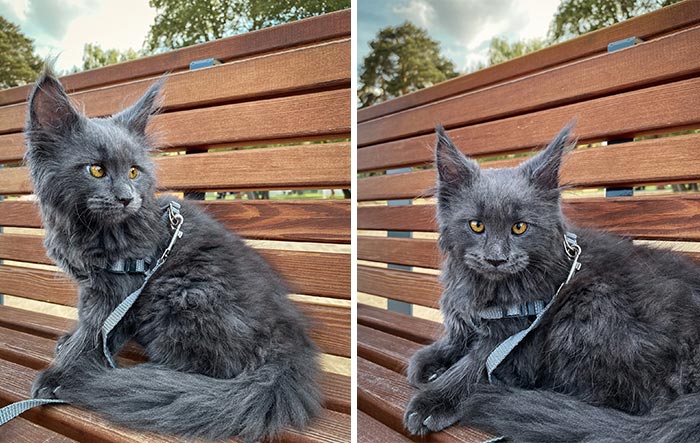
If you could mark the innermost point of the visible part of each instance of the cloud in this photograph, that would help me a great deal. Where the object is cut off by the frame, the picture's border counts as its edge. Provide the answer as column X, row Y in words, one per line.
column 51, row 17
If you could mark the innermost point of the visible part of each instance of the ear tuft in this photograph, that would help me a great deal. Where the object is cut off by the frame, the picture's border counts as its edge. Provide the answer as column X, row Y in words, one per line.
column 50, row 109
column 453, row 167
column 136, row 117
column 543, row 169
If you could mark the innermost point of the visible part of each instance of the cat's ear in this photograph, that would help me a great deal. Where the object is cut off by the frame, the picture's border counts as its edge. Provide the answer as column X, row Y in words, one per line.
column 543, row 168
column 136, row 117
column 50, row 109
column 454, row 168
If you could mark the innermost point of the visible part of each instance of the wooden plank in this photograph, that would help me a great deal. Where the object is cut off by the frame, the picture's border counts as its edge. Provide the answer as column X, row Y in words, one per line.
column 330, row 326
column 674, row 160
column 86, row 427
column 659, row 109
column 315, row 166
column 44, row 326
column 385, row 349
column 655, row 62
column 645, row 27
column 406, row 286
column 326, row 65
column 383, row 394
column 326, row 221
column 303, row 32
column 399, row 251
column 405, row 326
column 322, row 273
column 20, row 430
column 655, row 217
column 370, row 430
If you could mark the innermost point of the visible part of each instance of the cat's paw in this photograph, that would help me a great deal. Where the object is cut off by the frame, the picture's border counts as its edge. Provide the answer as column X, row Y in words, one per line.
column 429, row 412
column 424, row 368
column 46, row 384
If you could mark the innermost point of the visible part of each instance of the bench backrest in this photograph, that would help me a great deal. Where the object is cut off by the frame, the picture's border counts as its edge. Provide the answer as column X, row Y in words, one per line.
column 283, row 94
column 639, row 96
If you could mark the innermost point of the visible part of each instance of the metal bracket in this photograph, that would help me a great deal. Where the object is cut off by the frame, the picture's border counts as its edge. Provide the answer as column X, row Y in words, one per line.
column 612, row 47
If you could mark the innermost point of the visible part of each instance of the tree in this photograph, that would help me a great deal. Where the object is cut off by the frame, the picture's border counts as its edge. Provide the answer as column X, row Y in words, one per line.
column 95, row 57
column 500, row 50
column 403, row 59
column 18, row 63
column 182, row 23
column 578, row 17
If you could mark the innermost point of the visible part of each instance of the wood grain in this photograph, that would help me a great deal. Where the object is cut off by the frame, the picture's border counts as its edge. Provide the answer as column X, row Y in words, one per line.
column 405, row 326
column 370, row 430
column 315, row 166
column 663, row 217
column 20, row 430
column 385, row 349
column 326, row 221
column 674, row 160
column 398, row 251
column 668, row 58
column 645, row 27
column 406, row 286
column 659, row 109
column 383, row 394
column 303, row 32
column 326, row 65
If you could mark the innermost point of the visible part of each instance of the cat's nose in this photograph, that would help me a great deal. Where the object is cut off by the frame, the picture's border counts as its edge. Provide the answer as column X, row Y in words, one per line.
column 125, row 201
column 496, row 262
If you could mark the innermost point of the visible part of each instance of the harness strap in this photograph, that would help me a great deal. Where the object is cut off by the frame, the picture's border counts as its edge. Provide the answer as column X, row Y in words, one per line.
column 518, row 310
column 130, row 266
column 13, row 410
column 504, row 349
column 173, row 212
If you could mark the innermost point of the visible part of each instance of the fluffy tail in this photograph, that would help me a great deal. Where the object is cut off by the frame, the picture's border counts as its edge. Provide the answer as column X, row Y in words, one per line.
column 542, row 417
column 252, row 406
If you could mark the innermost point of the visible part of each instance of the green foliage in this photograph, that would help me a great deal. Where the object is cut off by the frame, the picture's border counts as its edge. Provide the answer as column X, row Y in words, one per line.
column 182, row 23
column 500, row 50
column 95, row 57
column 403, row 59
column 18, row 63
column 578, row 17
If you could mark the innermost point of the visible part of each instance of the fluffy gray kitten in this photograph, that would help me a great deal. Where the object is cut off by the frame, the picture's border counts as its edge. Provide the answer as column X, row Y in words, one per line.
column 228, row 352
column 615, row 359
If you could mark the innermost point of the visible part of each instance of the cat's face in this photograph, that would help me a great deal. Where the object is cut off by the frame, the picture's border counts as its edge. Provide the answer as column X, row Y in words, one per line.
column 96, row 169
column 500, row 222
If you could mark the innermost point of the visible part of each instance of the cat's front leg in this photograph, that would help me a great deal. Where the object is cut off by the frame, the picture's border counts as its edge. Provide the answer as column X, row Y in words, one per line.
column 437, row 406
column 430, row 362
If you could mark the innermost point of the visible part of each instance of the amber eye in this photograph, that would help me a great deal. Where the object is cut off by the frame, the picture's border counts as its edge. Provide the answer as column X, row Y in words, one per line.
column 477, row 226
column 97, row 171
column 519, row 228
column 133, row 172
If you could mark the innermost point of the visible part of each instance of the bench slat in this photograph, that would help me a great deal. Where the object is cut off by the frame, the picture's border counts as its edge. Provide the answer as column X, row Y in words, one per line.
column 398, row 251
column 401, row 325
column 303, row 32
column 670, row 57
column 326, row 221
column 372, row 431
column 20, row 430
column 320, row 66
column 661, row 217
column 658, row 109
column 406, row 286
column 645, row 27
column 385, row 349
column 674, row 161
column 383, row 394
column 322, row 274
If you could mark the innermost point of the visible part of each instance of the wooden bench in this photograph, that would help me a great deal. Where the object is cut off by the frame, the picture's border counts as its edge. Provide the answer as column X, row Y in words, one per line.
column 284, row 91
column 639, row 95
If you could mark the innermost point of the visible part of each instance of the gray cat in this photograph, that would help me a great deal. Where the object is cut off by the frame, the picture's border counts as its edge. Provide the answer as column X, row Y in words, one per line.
column 616, row 358
column 229, row 354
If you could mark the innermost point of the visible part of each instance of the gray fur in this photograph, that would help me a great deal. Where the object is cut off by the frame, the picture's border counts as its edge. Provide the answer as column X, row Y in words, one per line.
column 229, row 353
column 615, row 359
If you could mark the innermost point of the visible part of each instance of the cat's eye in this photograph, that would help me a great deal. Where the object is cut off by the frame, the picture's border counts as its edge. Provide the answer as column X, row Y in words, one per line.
column 97, row 171
column 519, row 228
column 477, row 226
column 133, row 172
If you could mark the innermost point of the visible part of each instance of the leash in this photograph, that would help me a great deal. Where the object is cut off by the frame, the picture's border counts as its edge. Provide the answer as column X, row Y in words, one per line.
column 573, row 250
column 12, row 410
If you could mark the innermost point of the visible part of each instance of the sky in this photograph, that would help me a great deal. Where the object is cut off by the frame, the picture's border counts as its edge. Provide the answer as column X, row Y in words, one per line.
column 464, row 28
column 62, row 27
